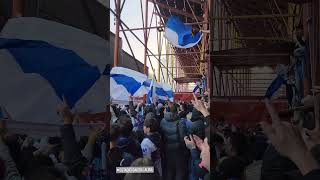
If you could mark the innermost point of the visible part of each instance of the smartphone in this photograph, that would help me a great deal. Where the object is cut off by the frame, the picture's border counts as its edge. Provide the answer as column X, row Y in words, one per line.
column 309, row 121
column 2, row 114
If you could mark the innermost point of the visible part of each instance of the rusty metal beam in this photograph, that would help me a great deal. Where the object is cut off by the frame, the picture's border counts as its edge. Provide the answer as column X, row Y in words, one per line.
column 180, row 53
column 264, row 16
column 159, row 27
column 250, row 55
column 248, row 61
column 172, row 9
column 128, row 43
column 249, row 73
column 17, row 8
column 137, row 29
column 197, row 2
column 126, row 26
column 244, row 98
column 116, row 41
column 145, row 40
column 122, row 5
column 183, row 67
column 257, row 38
column 193, row 73
column 194, row 15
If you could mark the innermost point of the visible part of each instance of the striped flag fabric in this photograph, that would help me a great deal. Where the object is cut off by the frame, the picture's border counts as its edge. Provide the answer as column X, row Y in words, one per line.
column 180, row 35
column 125, row 82
column 47, row 61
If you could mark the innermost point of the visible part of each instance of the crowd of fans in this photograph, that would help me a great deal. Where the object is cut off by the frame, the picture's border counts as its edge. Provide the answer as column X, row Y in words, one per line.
column 173, row 137
column 271, row 151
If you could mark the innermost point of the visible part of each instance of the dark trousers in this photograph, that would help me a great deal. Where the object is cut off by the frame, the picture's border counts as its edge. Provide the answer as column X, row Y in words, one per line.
column 176, row 166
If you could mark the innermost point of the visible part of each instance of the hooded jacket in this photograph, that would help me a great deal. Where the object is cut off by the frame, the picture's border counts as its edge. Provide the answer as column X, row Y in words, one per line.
column 131, row 146
column 173, row 131
column 151, row 148
column 198, row 124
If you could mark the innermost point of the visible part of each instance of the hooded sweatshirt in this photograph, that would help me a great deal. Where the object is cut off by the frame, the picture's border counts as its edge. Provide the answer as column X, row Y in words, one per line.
column 151, row 149
column 173, row 131
column 130, row 145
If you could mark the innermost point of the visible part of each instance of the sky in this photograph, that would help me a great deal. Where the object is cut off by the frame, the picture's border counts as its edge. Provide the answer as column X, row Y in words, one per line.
column 131, row 16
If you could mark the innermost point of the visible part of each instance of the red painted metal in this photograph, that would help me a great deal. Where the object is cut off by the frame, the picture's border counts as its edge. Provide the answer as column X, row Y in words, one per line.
column 183, row 96
column 175, row 10
column 245, row 113
column 116, row 39
column 146, row 39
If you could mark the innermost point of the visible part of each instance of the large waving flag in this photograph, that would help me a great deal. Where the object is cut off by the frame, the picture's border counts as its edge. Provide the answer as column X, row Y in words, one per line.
column 151, row 96
column 161, row 91
column 197, row 87
column 165, row 91
column 273, row 90
column 68, row 74
column 48, row 60
column 125, row 82
column 180, row 35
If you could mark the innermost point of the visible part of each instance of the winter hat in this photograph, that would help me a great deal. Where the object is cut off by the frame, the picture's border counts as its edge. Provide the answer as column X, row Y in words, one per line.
column 150, row 115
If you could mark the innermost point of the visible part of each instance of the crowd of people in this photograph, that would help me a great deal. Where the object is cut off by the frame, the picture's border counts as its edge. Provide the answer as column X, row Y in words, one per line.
column 176, row 138
column 275, row 150
column 171, row 137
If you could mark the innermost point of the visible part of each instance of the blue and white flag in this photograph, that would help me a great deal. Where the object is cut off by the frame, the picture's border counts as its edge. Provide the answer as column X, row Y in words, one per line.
column 68, row 74
column 197, row 87
column 47, row 61
column 152, row 96
column 125, row 82
column 159, row 90
column 180, row 35
column 274, row 89
column 164, row 91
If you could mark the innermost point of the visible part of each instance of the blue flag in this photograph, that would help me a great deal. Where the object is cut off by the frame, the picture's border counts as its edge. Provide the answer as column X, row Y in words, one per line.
column 68, row 74
column 180, row 35
column 274, row 87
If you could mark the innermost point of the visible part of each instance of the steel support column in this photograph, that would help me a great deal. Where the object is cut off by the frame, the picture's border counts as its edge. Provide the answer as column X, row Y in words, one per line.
column 116, row 39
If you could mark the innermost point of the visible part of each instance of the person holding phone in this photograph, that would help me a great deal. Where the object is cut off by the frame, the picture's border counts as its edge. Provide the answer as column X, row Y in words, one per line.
column 287, row 140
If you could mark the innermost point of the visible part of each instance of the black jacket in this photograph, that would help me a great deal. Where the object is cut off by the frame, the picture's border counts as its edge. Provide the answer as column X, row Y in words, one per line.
column 313, row 175
column 131, row 146
column 275, row 166
column 72, row 153
column 173, row 131
column 198, row 128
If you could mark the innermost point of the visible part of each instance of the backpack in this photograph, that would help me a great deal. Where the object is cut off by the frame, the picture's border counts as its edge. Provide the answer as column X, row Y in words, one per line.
column 127, row 159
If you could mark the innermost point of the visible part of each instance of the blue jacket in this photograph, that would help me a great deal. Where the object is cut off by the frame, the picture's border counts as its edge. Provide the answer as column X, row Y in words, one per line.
column 196, row 172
